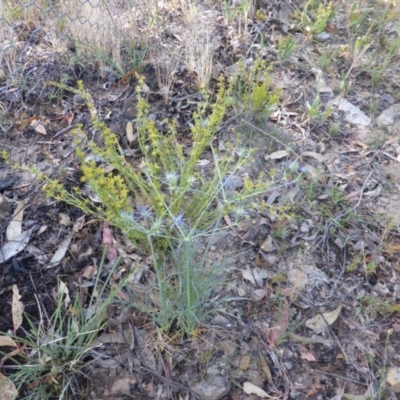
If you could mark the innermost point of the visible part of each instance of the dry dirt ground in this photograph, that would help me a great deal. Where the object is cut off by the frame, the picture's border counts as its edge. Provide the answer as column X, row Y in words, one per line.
column 312, row 310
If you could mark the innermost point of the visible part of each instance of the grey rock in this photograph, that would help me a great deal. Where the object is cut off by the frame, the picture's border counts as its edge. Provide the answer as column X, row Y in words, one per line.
column 78, row 100
column 324, row 36
column 213, row 388
column 390, row 116
column 393, row 171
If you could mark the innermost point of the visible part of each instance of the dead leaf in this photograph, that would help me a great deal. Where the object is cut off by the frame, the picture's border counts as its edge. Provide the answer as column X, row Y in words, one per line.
column 112, row 252
column 248, row 275
column 145, row 88
column 78, row 224
column 14, row 228
column 266, row 370
column 60, row 253
column 69, row 117
column 129, row 132
column 63, row 290
column 244, row 362
column 306, row 355
column 64, row 219
column 250, row 388
column 6, row 341
column 318, row 324
column 17, row 308
column 38, row 126
column 203, row 163
column 278, row 154
column 42, row 229
column 89, row 271
column 13, row 247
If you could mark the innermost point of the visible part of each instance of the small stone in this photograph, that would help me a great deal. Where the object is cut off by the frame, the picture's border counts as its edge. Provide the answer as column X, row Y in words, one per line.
column 78, row 100
column 213, row 388
column 393, row 379
column 323, row 37
column 393, row 171
column 389, row 116
column 130, row 112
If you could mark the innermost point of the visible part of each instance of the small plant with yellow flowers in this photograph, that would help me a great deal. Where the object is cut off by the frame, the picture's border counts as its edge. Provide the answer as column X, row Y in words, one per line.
column 315, row 16
column 166, row 204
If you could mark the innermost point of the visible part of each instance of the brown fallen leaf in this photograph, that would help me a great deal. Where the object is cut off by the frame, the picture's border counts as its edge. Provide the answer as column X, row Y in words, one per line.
column 306, row 354
column 7, row 341
column 129, row 132
column 244, row 362
column 17, row 308
column 108, row 240
column 319, row 323
column 266, row 370
column 38, row 126
column 251, row 388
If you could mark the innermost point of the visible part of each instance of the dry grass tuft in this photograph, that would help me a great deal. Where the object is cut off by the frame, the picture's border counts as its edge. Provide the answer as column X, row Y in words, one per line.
column 199, row 49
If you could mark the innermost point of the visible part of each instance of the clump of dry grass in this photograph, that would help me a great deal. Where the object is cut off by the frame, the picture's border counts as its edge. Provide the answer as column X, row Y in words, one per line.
column 199, row 50
column 165, row 66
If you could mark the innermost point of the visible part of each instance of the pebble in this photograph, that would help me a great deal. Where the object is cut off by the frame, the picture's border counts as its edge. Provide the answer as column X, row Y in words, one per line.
column 213, row 388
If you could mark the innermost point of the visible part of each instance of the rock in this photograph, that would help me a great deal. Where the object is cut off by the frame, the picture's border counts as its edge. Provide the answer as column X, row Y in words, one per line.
column 78, row 100
column 352, row 113
column 213, row 388
column 393, row 379
column 393, row 172
column 390, row 116
column 323, row 37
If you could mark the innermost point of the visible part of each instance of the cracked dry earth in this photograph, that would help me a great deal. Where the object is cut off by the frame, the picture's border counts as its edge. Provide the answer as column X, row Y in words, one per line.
column 312, row 310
